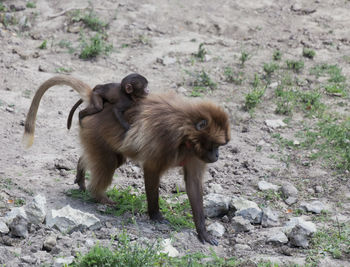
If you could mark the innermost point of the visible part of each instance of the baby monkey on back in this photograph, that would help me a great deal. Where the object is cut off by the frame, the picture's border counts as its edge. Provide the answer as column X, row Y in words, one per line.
column 123, row 95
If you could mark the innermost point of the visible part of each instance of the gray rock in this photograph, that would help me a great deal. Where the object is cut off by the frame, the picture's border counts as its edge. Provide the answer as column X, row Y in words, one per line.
column 216, row 188
column 241, row 247
column 69, row 219
column 290, row 193
column 291, row 200
column 289, row 190
column 19, row 227
column 64, row 164
column 168, row 248
column 50, row 242
column 6, row 255
column 309, row 226
column 240, row 224
column 13, row 213
column 216, row 229
column 3, row 227
column 59, row 262
column 264, row 186
column 319, row 189
column 314, row 206
column 181, row 90
column 247, row 209
column 269, row 218
column 277, row 237
column 36, row 210
column 166, row 60
column 216, row 205
column 10, row 109
column 298, row 237
column 299, row 231
column 89, row 242
column 274, row 124
column 29, row 259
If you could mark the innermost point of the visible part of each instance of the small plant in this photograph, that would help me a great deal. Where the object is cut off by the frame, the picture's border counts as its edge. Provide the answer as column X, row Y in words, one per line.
column 201, row 52
column 43, row 45
column 90, row 20
column 253, row 98
column 256, row 82
column 335, row 89
column 308, row 53
column 19, row 202
column 270, row 68
column 66, row 44
column 64, row 70
column 127, row 202
column 296, row 65
column 277, row 55
column 198, row 91
column 31, row 5
column 244, row 57
column 96, row 47
column 2, row 7
column 230, row 76
column 202, row 79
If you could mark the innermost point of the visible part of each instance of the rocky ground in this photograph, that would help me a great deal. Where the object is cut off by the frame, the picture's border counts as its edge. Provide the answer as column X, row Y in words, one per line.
column 280, row 191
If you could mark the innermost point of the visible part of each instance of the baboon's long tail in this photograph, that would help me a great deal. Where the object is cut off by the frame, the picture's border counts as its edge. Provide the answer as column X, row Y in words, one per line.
column 29, row 127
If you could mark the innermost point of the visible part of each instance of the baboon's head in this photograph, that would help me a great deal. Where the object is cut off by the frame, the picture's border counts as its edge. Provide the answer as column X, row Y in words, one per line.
column 209, row 131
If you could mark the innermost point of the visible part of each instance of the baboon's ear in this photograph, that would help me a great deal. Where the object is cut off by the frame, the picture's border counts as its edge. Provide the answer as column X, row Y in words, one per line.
column 201, row 125
column 128, row 88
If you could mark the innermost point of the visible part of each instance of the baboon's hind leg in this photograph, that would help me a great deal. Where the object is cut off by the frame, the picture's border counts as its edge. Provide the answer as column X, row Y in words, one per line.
column 80, row 177
column 102, row 170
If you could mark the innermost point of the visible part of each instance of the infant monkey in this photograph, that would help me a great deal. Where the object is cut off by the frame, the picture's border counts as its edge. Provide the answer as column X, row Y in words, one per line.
column 132, row 88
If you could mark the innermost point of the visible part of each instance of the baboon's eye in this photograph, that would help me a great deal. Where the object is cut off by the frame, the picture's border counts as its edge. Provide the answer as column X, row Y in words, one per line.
column 201, row 125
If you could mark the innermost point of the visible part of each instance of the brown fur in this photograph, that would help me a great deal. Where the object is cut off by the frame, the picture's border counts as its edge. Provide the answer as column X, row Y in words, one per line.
column 162, row 135
column 123, row 95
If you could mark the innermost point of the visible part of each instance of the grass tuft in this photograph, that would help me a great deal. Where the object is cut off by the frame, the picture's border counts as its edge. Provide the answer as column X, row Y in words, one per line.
column 95, row 47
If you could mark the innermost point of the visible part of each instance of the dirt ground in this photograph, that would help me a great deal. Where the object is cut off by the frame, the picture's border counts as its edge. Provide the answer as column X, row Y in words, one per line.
column 158, row 39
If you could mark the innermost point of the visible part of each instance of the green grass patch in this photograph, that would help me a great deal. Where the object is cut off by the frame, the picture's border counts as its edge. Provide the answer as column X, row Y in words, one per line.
column 337, row 89
column 125, row 253
column 270, row 68
column 233, row 77
column 66, row 44
column 245, row 56
column 63, row 70
column 94, row 47
column 201, row 52
column 253, row 98
column 19, row 202
column 43, row 45
column 331, row 139
column 277, row 55
column 132, row 254
column 333, row 241
column 83, row 195
column 289, row 98
column 177, row 213
column 90, row 20
column 332, row 71
column 31, row 5
column 2, row 7
column 309, row 53
column 295, row 65
column 201, row 83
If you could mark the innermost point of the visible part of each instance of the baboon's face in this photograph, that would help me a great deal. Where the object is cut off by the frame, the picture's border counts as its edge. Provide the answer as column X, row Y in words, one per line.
column 209, row 134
